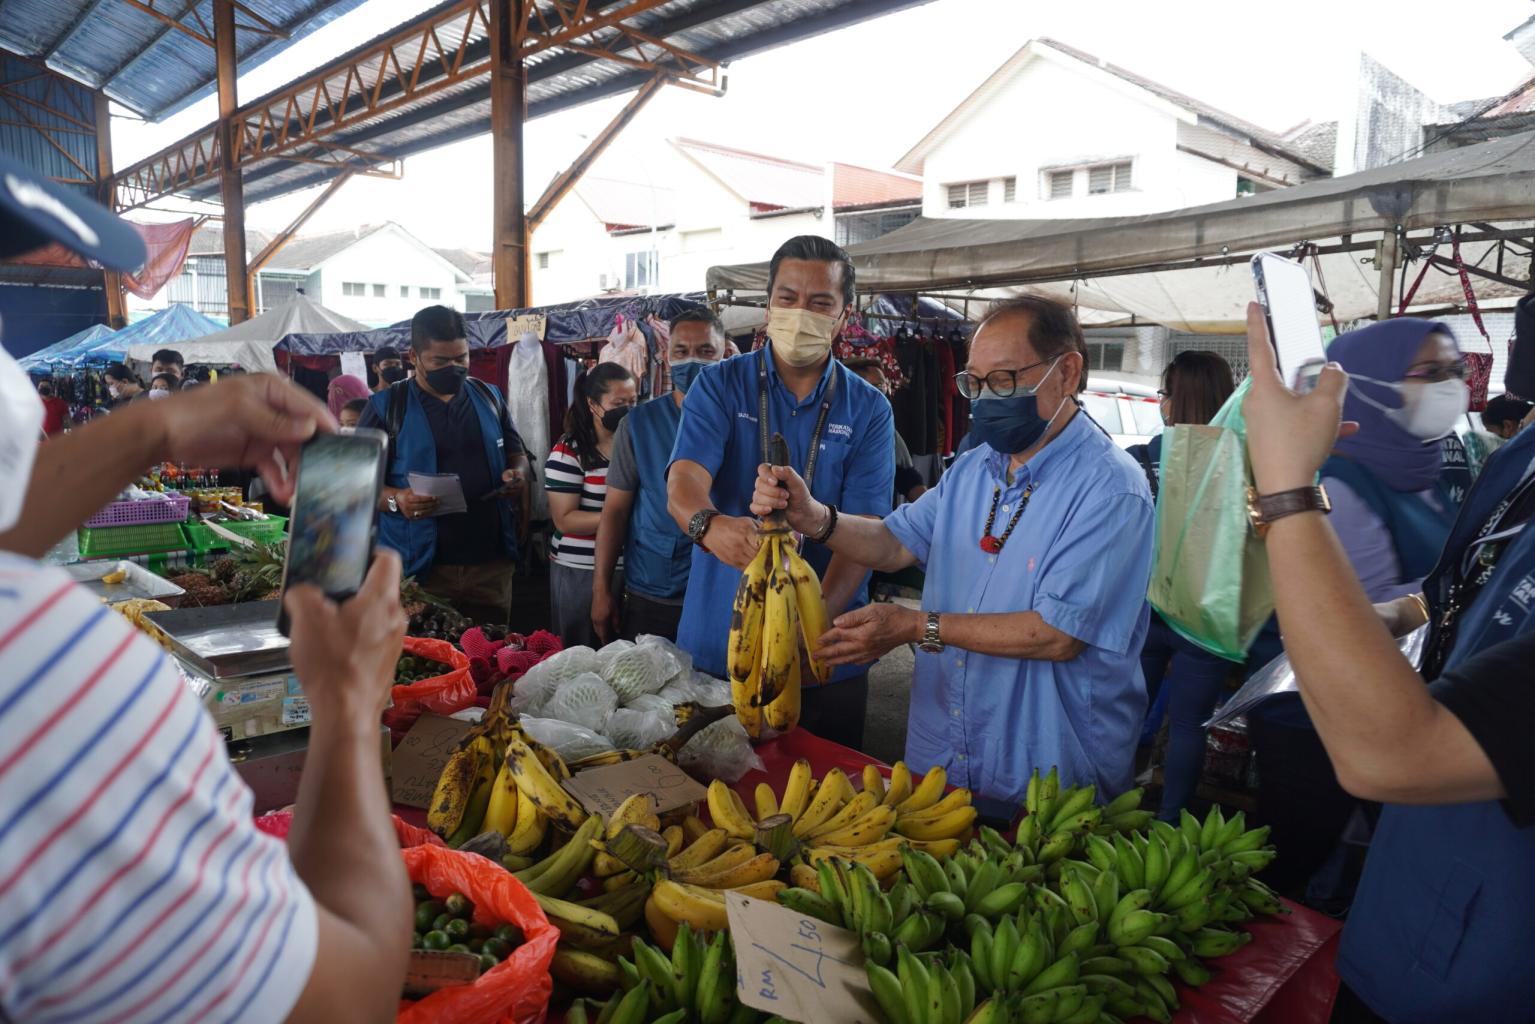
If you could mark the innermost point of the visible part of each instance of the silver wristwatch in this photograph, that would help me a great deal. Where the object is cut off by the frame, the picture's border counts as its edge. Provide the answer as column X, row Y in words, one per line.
column 394, row 506
column 930, row 642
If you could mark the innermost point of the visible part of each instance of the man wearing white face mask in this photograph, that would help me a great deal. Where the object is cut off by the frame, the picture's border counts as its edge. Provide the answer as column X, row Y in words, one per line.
column 840, row 433
column 1037, row 546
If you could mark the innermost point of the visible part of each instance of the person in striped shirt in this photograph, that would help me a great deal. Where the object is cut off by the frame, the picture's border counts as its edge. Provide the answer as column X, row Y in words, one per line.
column 576, row 479
column 133, row 883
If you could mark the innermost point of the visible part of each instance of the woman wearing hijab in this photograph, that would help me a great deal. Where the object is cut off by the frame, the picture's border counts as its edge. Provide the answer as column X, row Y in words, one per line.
column 1392, row 512
column 343, row 389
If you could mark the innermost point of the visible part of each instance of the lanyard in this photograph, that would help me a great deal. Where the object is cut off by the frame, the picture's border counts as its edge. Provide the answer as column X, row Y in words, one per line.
column 827, row 395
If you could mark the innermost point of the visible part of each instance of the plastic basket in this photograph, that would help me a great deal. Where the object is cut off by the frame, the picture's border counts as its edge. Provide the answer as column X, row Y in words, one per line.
column 136, row 513
column 144, row 539
column 263, row 531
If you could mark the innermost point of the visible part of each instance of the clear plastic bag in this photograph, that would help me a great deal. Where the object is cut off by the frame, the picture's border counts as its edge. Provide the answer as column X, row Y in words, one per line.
column 584, row 700
column 634, row 729
column 633, row 671
column 571, row 742
column 678, row 663
column 692, row 688
column 720, row 751
column 531, row 692
column 651, row 702
column 712, row 693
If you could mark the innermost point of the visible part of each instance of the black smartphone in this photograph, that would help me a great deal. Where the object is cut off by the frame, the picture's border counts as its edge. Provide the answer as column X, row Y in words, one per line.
column 331, row 534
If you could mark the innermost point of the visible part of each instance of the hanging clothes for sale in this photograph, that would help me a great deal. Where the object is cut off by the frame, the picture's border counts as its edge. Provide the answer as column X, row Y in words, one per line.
column 660, row 363
column 527, row 398
column 856, row 342
column 626, row 347
column 913, row 405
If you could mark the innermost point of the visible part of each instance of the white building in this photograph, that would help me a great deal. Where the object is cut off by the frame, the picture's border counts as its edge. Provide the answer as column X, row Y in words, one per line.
column 657, row 223
column 379, row 274
column 1056, row 132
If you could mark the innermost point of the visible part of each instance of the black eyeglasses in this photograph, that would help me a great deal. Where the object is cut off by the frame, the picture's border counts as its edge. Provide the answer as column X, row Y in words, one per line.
column 1001, row 383
column 1431, row 373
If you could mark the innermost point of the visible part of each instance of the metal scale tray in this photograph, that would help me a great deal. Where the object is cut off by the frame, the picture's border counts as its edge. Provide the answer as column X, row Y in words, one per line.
column 228, row 640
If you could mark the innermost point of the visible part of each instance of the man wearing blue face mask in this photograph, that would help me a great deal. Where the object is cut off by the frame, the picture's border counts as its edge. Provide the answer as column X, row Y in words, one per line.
column 1037, row 546
column 635, row 522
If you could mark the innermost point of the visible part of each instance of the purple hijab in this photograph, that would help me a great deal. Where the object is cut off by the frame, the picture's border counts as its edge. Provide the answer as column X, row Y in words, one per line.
column 1384, row 351
column 343, row 389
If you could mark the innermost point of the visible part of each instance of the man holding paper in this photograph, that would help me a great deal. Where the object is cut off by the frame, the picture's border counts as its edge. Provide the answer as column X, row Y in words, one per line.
column 455, row 503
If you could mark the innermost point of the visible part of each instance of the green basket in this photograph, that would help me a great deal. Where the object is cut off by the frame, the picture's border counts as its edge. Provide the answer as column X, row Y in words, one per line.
column 143, row 539
column 263, row 531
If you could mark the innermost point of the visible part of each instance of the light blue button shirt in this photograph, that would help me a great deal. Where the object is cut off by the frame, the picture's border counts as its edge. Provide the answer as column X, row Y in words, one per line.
column 1081, row 557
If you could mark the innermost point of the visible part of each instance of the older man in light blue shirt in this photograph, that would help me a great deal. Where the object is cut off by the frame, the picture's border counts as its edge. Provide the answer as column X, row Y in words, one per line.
column 1037, row 546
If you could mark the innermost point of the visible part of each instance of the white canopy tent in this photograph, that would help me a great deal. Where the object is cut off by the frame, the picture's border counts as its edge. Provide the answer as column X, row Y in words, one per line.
column 1186, row 269
column 249, row 344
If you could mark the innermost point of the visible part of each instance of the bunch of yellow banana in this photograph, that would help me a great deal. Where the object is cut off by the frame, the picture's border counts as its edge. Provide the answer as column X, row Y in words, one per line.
column 691, row 886
column 928, row 813
column 778, row 603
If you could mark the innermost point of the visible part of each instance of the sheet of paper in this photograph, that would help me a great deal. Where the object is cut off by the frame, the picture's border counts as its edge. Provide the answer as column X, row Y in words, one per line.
column 420, row 757
column 445, row 487
column 601, row 790
column 798, row 967
column 355, row 364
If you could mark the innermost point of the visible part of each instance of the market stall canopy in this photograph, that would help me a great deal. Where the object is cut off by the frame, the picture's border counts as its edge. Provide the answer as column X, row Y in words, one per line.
column 80, row 339
column 249, row 344
column 568, row 323
column 1149, row 266
column 166, row 329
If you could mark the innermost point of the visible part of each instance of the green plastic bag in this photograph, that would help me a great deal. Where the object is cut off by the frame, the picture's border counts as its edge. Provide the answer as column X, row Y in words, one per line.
column 1210, row 576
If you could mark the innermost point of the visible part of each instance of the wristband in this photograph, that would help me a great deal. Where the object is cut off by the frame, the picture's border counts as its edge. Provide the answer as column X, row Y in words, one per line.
column 831, row 524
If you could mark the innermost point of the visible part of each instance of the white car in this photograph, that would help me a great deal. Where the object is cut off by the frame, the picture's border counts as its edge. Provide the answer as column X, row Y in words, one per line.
column 1131, row 413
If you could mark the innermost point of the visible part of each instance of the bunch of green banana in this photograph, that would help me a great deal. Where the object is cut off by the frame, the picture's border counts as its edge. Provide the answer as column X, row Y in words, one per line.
column 696, row 983
column 1059, row 820
column 924, row 990
column 777, row 604
column 849, row 896
column 978, row 880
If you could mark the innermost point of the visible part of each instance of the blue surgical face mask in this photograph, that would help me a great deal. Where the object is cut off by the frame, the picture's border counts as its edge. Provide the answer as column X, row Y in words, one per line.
column 1010, row 424
column 685, row 372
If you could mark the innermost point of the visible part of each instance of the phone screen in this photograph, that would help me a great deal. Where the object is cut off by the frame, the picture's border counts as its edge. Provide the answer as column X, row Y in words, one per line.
column 330, row 538
column 1284, row 289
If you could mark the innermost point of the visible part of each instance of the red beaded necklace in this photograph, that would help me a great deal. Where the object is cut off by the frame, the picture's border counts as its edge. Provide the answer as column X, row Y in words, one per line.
column 989, row 544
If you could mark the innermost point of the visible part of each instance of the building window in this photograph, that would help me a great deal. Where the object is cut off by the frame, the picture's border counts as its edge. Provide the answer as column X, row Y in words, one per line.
column 1108, row 178
column 543, row 261
column 968, row 193
column 479, row 302
column 853, row 228
column 1009, row 190
column 404, row 291
column 640, row 270
column 429, row 293
column 354, row 288
column 378, row 291
column 1060, row 184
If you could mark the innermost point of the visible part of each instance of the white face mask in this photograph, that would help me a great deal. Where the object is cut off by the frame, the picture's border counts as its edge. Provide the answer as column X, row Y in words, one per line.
column 159, row 393
column 21, row 425
column 1429, row 410
column 801, row 337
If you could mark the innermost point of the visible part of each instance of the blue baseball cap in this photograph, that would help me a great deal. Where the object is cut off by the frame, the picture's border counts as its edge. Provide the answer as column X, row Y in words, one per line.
column 35, row 211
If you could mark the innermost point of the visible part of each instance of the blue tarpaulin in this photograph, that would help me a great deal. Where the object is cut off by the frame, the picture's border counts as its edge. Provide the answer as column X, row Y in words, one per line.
column 80, row 339
column 175, row 323
column 587, row 320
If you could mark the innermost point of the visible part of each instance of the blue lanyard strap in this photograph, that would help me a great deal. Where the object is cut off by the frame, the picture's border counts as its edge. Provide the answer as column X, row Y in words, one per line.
column 820, row 421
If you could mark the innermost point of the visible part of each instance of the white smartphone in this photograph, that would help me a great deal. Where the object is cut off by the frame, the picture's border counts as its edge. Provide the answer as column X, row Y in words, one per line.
column 1289, row 304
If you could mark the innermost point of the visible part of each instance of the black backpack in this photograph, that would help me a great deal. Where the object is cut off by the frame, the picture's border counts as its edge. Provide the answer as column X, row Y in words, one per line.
column 394, row 409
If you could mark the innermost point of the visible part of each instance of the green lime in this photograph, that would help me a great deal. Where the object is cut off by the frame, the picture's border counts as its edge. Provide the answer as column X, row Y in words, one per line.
column 420, row 892
column 498, row 948
column 457, row 928
column 458, row 947
column 487, row 962
column 426, row 914
column 510, row 934
column 458, row 905
column 435, row 939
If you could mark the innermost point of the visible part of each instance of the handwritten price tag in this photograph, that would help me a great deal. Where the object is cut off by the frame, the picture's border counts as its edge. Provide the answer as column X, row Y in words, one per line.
column 797, row 967
column 602, row 790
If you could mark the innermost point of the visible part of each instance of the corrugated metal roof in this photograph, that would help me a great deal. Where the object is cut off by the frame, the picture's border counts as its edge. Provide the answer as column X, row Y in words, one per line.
column 62, row 144
column 559, row 79
column 139, row 60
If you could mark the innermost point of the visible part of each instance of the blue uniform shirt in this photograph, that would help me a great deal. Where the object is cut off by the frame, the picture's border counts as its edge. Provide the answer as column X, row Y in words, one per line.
column 855, row 470
column 1081, row 557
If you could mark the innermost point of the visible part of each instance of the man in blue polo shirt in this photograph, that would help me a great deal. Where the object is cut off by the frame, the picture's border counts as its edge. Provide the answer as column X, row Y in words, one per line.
column 840, row 433
column 635, row 522
column 1037, row 546
column 444, row 421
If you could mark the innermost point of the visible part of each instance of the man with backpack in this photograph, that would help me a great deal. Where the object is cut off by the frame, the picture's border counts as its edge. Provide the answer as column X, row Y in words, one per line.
column 442, row 421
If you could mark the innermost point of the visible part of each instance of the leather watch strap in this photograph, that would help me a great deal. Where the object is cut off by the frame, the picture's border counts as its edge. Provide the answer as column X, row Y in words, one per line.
column 1266, row 509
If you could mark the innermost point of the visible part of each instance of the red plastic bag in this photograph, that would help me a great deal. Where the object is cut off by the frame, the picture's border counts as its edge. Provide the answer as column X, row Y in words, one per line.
column 515, row 991
column 279, row 823
column 452, row 691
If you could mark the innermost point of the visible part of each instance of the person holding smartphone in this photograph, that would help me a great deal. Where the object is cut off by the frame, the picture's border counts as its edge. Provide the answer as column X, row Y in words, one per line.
column 132, row 878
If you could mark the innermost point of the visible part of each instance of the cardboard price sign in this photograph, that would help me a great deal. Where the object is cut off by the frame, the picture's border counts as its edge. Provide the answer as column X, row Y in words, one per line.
column 420, row 757
column 602, row 790
column 798, row 967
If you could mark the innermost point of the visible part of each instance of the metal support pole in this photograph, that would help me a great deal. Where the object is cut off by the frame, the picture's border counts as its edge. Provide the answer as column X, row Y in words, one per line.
column 508, row 111
column 1389, row 249
column 111, row 280
column 231, row 192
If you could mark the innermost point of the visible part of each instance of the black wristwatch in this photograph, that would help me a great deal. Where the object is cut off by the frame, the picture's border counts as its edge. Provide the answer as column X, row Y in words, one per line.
column 699, row 525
